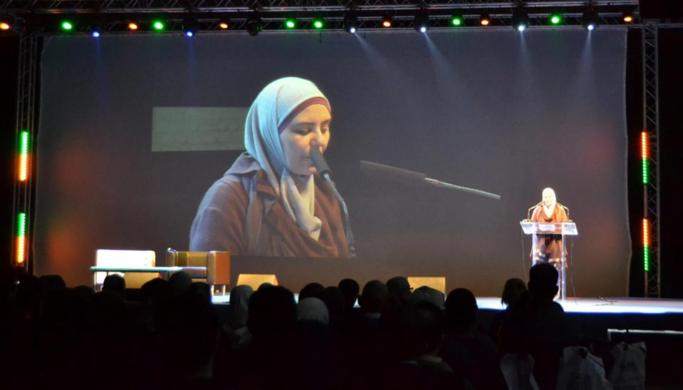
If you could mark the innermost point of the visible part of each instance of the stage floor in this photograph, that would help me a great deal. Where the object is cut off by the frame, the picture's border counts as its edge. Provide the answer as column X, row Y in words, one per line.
column 603, row 305
column 576, row 305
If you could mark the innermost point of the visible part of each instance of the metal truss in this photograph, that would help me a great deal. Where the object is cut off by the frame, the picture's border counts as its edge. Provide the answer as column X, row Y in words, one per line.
column 27, row 116
column 113, row 15
column 111, row 4
column 201, row 6
column 650, row 57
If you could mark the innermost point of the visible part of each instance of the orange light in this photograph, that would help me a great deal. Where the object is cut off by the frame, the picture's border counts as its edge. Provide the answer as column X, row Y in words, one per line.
column 24, row 156
column 4, row 26
column 628, row 18
column 646, row 233
column 132, row 26
column 386, row 23
column 644, row 146
column 21, row 250
column 485, row 21
column 223, row 25
column 23, row 167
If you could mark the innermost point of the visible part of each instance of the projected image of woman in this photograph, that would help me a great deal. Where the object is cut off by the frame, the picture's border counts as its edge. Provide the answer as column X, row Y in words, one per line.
column 271, row 202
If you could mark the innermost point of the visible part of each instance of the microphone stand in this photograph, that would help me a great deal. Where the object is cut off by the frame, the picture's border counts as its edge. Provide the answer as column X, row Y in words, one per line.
column 528, row 212
column 345, row 214
column 324, row 171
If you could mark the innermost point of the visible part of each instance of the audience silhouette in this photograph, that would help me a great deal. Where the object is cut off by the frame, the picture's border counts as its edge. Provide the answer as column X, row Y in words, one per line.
column 169, row 334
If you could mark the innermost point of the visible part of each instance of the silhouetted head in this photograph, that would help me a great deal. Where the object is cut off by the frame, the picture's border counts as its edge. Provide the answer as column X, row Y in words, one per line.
column 374, row 297
column 239, row 305
column 543, row 281
column 272, row 311
column 422, row 328
column 311, row 290
column 84, row 293
column 399, row 287
column 335, row 302
column 350, row 288
column 114, row 283
column 461, row 310
column 428, row 294
column 512, row 290
column 180, row 281
column 313, row 310
column 200, row 291
column 157, row 290
column 51, row 283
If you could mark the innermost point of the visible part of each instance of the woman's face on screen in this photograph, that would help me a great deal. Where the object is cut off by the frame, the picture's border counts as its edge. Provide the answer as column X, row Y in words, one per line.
column 310, row 128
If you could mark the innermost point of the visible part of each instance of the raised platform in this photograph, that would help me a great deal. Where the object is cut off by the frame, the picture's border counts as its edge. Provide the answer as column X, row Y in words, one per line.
column 576, row 305
column 603, row 305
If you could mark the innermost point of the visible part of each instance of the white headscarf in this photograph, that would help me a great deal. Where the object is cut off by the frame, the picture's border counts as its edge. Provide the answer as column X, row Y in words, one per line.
column 549, row 200
column 270, row 112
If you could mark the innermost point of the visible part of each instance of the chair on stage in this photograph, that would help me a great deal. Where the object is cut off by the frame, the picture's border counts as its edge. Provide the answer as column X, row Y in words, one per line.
column 137, row 267
column 211, row 267
column 122, row 259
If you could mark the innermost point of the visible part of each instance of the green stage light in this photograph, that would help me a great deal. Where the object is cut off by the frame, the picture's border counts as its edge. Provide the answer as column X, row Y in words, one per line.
column 318, row 23
column 158, row 25
column 21, row 224
column 21, row 238
column 645, row 172
column 457, row 21
column 66, row 25
column 555, row 19
column 290, row 24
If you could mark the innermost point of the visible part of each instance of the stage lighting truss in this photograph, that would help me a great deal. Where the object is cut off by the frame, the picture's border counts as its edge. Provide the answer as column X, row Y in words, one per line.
column 95, row 31
column 254, row 25
column 485, row 20
column 421, row 22
column 590, row 19
column 351, row 22
column 190, row 27
column 113, row 15
column 223, row 24
column 520, row 19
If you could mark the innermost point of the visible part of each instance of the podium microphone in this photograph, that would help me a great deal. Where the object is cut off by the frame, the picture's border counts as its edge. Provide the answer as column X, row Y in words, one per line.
column 566, row 209
column 528, row 212
column 326, row 173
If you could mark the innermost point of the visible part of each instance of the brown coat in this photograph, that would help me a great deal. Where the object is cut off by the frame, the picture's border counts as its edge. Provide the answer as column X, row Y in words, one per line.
column 548, row 245
column 221, row 220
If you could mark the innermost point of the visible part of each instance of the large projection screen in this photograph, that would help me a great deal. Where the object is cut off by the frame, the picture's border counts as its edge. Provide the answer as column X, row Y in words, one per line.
column 134, row 129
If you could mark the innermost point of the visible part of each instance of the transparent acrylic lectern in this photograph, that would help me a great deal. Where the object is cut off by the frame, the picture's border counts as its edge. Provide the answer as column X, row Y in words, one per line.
column 563, row 229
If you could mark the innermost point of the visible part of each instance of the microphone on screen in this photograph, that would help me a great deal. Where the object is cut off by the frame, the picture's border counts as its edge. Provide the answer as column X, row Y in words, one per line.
column 320, row 164
column 412, row 177
column 326, row 173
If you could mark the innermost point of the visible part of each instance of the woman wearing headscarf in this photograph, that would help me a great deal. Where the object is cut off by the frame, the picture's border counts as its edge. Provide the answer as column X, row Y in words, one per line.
column 548, row 247
column 271, row 202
